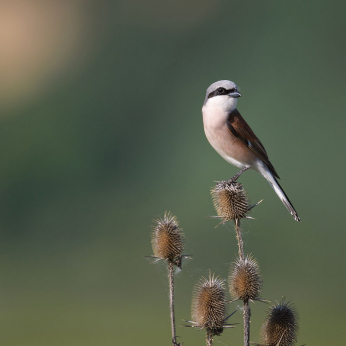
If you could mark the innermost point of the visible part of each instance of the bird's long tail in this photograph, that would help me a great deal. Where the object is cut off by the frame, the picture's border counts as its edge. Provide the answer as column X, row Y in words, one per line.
column 280, row 192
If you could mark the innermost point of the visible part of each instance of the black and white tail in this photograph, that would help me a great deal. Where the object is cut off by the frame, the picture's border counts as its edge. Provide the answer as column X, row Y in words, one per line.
column 279, row 191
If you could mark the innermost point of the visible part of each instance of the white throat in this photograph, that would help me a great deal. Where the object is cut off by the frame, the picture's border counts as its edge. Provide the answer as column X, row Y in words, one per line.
column 222, row 103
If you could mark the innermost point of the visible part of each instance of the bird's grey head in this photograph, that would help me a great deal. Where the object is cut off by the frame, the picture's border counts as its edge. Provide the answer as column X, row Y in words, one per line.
column 223, row 93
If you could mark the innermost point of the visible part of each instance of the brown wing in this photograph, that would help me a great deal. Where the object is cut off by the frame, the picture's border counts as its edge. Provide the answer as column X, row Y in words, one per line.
column 240, row 129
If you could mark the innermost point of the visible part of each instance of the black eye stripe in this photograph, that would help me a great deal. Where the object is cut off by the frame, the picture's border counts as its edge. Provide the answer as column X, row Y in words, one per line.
column 223, row 92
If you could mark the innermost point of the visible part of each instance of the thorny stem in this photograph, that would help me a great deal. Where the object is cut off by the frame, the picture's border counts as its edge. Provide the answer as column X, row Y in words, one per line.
column 209, row 338
column 240, row 239
column 247, row 311
column 171, row 301
column 246, row 316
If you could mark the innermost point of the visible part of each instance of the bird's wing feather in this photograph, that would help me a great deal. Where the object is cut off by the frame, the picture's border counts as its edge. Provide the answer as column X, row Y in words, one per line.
column 240, row 129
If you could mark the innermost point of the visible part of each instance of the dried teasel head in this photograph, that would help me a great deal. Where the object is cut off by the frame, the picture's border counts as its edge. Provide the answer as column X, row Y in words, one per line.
column 209, row 304
column 167, row 239
column 230, row 200
column 281, row 325
column 244, row 280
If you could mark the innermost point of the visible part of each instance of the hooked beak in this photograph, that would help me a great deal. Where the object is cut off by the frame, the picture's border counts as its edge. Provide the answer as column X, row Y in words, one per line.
column 235, row 94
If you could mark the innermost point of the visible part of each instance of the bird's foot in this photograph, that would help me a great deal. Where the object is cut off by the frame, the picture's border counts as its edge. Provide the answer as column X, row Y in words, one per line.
column 234, row 179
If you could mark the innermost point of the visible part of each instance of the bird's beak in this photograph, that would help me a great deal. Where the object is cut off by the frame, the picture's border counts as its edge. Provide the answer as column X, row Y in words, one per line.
column 235, row 94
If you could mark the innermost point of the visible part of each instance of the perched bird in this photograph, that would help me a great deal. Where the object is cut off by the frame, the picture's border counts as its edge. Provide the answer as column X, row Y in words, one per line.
column 231, row 136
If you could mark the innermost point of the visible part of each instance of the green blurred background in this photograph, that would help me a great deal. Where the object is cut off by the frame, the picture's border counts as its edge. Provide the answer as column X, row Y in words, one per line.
column 101, row 131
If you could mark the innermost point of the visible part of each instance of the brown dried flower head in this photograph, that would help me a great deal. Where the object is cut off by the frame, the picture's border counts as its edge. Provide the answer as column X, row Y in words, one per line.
column 209, row 304
column 230, row 200
column 244, row 280
column 167, row 239
column 281, row 325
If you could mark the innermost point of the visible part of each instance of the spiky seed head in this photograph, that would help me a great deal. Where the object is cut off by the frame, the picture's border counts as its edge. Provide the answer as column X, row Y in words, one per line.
column 209, row 304
column 230, row 200
column 167, row 239
column 281, row 325
column 244, row 280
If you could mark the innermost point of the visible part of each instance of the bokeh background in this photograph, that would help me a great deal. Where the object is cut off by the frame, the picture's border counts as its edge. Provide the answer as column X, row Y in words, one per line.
column 101, row 131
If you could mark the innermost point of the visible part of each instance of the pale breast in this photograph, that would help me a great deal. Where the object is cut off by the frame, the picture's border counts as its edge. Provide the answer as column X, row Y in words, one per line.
column 223, row 141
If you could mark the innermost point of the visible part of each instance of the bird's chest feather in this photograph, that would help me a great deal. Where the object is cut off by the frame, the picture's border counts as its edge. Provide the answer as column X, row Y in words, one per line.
column 222, row 140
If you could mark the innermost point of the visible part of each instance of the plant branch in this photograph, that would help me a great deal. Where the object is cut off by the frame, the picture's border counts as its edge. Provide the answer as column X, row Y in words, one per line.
column 209, row 338
column 171, row 301
column 247, row 311
column 246, row 317
column 239, row 239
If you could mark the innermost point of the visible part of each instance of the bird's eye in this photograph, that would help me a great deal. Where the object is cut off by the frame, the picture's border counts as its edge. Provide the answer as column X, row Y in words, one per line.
column 221, row 90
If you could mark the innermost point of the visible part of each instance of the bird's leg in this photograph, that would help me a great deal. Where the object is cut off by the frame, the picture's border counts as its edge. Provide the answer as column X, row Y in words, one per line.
column 233, row 179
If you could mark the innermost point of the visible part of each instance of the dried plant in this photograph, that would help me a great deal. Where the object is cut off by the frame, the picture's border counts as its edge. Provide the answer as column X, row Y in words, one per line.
column 244, row 280
column 230, row 201
column 167, row 239
column 232, row 204
column 167, row 243
column 209, row 307
column 281, row 325
column 209, row 304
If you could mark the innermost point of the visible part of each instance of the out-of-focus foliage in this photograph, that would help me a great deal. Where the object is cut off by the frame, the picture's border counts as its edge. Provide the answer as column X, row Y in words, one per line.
column 101, row 131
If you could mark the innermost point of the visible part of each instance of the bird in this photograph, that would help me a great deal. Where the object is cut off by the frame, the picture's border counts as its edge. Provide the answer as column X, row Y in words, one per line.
column 231, row 136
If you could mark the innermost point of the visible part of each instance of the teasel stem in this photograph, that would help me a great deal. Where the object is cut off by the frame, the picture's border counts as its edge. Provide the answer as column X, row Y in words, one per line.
column 246, row 311
column 246, row 317
column 209, row 338
column 171, row 301
column 239, row 239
